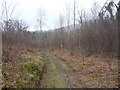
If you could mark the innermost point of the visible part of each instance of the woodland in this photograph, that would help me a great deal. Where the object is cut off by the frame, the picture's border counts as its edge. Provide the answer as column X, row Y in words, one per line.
column 86, row 56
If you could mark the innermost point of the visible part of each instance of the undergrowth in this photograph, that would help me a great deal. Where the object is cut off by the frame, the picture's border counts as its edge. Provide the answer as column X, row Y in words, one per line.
column 23, row 69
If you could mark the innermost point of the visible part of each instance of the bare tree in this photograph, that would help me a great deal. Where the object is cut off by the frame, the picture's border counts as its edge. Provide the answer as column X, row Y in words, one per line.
column 8, row 10
column 1, row 10
column 74, row 12
column 95, row 10
column 61, row 21
column 68, row 16
column 80, row 17
column 41, row 18
column 61, row 30
column 118, row 19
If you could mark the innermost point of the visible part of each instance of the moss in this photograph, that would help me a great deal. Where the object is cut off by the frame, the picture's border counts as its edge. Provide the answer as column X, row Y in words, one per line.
column 21, row 83
column 28, row 73
column 32, row 70
column 30, row 67
column 114, row 70
column 52, row 78
column 9, row 84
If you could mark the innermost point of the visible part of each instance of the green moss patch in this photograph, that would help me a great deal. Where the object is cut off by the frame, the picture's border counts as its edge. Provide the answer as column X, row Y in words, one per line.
column 23, row 73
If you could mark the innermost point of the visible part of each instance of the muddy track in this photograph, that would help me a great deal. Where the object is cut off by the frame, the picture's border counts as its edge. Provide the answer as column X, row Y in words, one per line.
column 54, row 75
column 62, row 72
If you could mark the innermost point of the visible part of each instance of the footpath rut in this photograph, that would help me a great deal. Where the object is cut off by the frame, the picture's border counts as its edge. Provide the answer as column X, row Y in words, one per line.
column 54, row 75
column 62, row 72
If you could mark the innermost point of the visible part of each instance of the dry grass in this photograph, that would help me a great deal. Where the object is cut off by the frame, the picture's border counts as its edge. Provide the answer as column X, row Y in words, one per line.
column 90, row 72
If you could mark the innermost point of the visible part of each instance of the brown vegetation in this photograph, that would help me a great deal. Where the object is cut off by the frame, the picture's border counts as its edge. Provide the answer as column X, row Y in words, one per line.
column 91, row 50
column 92, row 72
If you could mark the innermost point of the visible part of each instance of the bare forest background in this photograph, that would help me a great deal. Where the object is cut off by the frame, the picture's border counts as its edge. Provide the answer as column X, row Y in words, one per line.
column 96, row 35
column 87, row 48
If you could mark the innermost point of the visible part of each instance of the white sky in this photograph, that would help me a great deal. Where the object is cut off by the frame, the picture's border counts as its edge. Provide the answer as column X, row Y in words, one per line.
column 27, row 10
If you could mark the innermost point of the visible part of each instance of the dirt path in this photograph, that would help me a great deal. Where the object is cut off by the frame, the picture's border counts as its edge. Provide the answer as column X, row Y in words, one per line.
column 54, row 74
column 60, row 73
column 69, row 73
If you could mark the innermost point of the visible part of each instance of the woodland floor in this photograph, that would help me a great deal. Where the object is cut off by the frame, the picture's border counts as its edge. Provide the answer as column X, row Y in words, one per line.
column 78, row 71
column 59, row 69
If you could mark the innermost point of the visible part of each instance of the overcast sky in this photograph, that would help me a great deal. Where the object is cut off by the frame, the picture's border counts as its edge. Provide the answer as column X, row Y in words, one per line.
column 27, row 10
